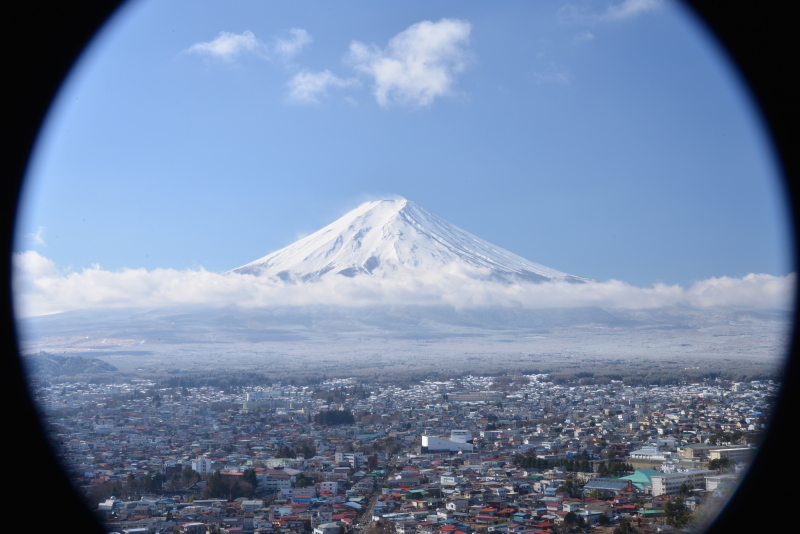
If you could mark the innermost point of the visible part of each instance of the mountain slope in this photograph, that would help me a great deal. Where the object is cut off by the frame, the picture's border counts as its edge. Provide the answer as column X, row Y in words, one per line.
column 381, row 236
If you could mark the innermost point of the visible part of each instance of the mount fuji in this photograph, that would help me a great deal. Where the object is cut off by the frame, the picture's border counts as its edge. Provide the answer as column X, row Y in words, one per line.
column 382, row 236
column 390, row 288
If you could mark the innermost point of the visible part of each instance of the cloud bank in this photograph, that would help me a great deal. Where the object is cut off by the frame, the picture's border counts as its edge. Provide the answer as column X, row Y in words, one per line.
column 41, row 288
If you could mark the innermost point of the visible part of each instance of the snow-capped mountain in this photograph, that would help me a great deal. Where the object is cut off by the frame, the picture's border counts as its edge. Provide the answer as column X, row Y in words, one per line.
column 381, row 236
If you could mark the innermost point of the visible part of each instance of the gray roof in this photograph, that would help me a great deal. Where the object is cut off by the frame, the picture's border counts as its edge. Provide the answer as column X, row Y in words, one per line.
column 610, row 484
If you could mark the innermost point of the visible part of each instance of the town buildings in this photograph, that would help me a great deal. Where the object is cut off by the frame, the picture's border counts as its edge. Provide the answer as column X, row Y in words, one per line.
column 521, row 458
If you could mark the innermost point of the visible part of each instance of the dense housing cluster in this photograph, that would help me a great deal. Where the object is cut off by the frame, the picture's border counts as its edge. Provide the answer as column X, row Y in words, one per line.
column 475, row 454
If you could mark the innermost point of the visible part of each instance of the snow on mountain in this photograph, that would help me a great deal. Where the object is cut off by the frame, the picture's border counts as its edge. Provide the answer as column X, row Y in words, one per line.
column 382, row 236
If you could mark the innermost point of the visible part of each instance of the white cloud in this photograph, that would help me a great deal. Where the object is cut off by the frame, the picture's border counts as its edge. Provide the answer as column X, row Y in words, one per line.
column 583, row 13
column 229, row 45
column 308, row 86
column 288, row 48
column 38, row 237
column 418, row 64
column 40, row 288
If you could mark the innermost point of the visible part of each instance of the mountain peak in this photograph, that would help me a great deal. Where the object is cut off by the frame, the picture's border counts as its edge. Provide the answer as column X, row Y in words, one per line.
column 381, row 236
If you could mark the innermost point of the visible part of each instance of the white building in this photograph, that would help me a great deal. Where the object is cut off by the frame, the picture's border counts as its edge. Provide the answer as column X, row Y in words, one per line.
column 327, row 528
column 670, row 483
column 649, row 453
column 461, row 436
column 433, row 444
column 355, row 459
column 450, row 480
column 332, row 487
column 202, row 465
column 715, row 481
column 735, row 454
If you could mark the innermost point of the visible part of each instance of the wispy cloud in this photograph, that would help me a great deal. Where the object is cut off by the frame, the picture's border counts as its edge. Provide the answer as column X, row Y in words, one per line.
column 553, row 74
column 587, row 14
column 629, row 8
column 308, row 87
column 41, row 288
column 418, row 65
column 228, row 46
column 289, row 48
column 583, row 37
column 38, row 236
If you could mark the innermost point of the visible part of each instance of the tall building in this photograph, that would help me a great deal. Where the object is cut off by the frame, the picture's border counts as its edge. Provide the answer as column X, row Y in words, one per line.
column 202, row 465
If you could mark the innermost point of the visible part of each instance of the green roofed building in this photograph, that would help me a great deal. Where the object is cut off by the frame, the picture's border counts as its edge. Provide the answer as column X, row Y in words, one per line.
column 642, row 479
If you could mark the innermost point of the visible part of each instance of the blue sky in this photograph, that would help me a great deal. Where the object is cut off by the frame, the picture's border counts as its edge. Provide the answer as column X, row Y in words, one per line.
column 610, row 140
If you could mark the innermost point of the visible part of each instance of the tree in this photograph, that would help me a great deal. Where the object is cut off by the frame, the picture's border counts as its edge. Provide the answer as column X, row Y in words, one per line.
column 303, row 482
column 189, row 475
column 249, row 476
column 153, row 483
column 334, row 417
column 603, row 520
column 624, row 527
column 570, row 520
column 569, row 487
column 723, row 465
column 597, row 494
column 677, row 513
column 214, row 488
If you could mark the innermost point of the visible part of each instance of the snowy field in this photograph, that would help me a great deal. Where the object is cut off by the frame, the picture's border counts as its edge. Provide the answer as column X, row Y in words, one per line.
column 415, row 340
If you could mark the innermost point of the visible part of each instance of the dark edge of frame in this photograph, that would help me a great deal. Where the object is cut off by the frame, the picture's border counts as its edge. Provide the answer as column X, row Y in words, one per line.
column 43, row 40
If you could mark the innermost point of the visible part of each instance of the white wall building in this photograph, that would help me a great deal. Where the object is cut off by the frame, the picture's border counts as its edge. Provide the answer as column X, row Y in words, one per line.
column 461, row 436
column 202, row 465
column 327, row 528
column 433, row 444
column 333, row 487
column 670, row 483
column 735, row 454
column 355, row 459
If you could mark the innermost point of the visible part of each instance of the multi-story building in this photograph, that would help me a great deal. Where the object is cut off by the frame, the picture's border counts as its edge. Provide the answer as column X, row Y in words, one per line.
column 670, row 483
column 202, row 465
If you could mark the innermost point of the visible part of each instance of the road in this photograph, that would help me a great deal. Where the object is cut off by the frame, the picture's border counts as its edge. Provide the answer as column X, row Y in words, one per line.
column 366, row 518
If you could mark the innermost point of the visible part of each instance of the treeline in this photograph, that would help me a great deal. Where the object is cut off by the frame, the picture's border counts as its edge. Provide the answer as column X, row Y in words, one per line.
column 534, row 462
column 305, row 448
column 613, row 469
column 221, row 486
column 335, row 417
column 132, row 488
column 531, row 461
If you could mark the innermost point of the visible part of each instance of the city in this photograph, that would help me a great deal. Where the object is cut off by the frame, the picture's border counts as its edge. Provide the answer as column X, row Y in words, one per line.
column 512, row 453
